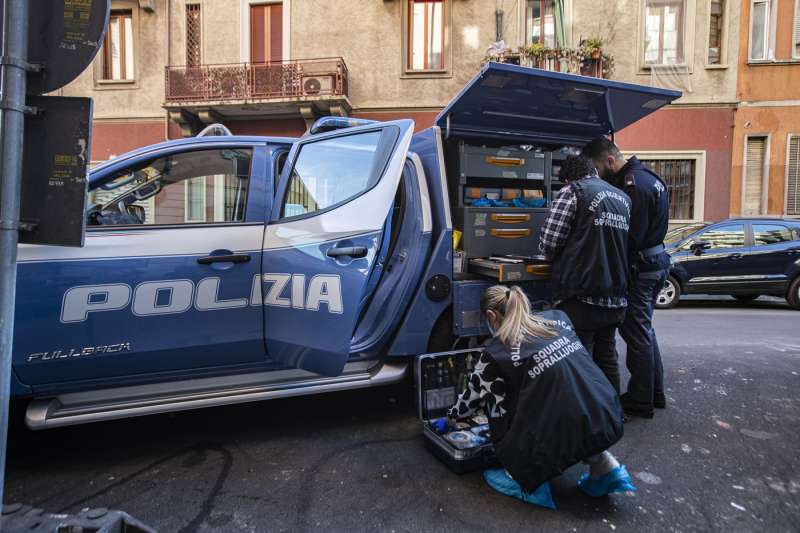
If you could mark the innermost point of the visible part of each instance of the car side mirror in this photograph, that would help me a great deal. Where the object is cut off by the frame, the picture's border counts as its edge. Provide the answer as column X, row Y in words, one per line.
column 698, row 247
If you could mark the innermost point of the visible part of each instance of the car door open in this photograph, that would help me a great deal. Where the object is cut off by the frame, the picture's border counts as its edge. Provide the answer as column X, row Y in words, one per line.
column 323, row 240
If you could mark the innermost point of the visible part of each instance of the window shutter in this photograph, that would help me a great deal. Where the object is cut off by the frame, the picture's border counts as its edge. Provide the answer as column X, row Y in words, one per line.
column 793, row 177
column 754, row 175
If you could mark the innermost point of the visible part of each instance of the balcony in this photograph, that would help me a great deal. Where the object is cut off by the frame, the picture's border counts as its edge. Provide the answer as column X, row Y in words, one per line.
column 584, row 61
column 204, row 94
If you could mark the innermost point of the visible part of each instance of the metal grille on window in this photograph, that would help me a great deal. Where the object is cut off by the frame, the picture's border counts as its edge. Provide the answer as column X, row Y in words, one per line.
column 679, row 175
column 193, row 35
column 754, row 175
column 793, row 177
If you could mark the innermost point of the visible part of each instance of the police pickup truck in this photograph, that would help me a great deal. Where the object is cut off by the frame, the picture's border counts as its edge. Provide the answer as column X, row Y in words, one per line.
column 225, row 269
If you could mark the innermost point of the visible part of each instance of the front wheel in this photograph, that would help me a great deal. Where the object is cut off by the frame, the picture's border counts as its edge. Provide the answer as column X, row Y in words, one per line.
column 793, row 296
column 669, row 295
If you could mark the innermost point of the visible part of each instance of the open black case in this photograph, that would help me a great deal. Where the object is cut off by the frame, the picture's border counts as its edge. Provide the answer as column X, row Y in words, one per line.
column 440, row 378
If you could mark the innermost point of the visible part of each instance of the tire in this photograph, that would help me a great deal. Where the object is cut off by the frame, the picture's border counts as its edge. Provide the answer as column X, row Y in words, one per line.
column 793, row 295
column 669, row 295
column 745, row 298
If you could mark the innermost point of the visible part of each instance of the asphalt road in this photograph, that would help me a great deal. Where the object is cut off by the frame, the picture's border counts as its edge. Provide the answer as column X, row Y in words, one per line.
column 722, row 457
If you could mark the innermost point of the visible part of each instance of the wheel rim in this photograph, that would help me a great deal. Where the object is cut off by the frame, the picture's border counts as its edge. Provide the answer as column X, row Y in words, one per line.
column 667, row 294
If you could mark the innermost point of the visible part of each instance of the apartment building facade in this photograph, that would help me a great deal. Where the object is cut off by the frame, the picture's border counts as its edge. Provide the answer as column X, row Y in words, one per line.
column 270, row 67
column 766, row 148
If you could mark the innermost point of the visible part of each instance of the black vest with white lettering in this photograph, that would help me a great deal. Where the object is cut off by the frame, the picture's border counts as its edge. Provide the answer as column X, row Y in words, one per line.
column 560, row 407
column 594, row 260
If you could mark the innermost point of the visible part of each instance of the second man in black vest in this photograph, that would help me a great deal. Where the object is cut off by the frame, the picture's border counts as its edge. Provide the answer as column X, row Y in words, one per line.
column 586, row 238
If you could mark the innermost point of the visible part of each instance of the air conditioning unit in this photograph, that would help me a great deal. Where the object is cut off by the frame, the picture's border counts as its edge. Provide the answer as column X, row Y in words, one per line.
column 313, row 85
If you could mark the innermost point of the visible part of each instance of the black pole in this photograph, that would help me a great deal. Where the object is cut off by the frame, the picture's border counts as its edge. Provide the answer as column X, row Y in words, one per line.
column 12, row 124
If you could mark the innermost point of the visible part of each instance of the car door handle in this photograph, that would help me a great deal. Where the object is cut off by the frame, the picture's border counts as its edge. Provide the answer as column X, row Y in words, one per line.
column 352, row 251
column 229, row 258
column 735, row 257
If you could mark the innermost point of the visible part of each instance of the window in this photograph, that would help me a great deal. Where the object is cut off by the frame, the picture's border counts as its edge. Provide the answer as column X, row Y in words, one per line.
column 266, row 32
column 664, row 32
column 192, row 187
column 676, row 235
column 716, row 21
column 193, row 36
column 793, row 177
column 117, row 57
column 764, row 234
column 754, row 174
column 331, row 171
column 760, row 30
column 541, row 23
column 679, row 175
column 195, row 200
column 724, row 237
column 426, row 34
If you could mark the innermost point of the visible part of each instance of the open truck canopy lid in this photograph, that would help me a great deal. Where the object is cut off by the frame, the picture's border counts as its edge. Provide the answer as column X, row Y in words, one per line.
column 508, row 99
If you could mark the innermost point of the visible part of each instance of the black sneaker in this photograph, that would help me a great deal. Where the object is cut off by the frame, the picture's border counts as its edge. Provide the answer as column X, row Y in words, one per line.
column 660, row 401
column 633, row 408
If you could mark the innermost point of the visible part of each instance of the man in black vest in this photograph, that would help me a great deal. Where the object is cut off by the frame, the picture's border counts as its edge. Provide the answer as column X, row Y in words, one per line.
column 586, row 238
column 649, row 268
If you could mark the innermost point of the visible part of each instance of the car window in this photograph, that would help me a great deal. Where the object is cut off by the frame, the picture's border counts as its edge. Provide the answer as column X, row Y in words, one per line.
column 678, row 234
column 764, row 234
column 331, row 171
column 197, row 187
column 731, row 236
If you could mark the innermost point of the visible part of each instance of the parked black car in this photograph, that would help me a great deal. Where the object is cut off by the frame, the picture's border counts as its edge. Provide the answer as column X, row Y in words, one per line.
column 742, row 257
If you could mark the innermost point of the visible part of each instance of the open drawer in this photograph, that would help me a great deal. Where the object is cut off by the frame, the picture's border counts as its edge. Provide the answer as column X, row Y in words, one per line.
column 440, row 378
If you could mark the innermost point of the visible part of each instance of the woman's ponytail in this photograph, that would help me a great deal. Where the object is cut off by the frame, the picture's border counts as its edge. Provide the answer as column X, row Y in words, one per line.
column 513, row 310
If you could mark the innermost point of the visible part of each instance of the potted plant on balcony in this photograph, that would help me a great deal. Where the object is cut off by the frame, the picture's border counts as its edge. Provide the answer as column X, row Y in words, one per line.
column 500, row 53
column 593, row 47
column 594, row 62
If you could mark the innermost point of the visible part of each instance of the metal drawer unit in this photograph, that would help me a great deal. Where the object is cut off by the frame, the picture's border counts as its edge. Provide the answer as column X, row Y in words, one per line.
column 507, row 272
column 500, row 231
column 503, row 163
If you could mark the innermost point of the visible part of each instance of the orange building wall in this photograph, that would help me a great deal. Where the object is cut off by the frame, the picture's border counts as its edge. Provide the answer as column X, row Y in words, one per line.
column 778, row 122
column 772, row 82
column 769, row 81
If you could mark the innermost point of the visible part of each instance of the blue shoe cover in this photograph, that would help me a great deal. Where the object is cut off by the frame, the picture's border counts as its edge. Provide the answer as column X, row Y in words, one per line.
column 617, row 480
column 500, row 481
column 541, row 496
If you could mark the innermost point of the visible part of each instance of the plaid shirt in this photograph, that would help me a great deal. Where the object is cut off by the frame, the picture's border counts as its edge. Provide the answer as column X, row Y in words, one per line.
column 555, row 233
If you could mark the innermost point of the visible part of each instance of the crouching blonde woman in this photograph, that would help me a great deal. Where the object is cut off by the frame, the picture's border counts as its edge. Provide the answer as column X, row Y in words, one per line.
column 549, row 405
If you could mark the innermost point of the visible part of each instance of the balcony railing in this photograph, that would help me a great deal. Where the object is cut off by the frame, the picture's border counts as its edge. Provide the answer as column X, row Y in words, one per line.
column 594, row 63
column 305, row 78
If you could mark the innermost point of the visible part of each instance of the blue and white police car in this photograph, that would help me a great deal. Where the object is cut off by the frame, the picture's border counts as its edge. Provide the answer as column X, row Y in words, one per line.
column 224, row 269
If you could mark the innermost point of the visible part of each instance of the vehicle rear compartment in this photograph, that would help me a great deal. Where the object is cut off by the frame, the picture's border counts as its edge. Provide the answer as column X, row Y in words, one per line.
column 500, row 193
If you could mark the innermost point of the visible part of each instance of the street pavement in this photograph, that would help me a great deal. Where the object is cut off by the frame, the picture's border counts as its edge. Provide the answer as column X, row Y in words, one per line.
column 723, row 456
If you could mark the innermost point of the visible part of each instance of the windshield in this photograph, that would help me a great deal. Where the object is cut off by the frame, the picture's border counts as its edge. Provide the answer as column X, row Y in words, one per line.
column 676, row 235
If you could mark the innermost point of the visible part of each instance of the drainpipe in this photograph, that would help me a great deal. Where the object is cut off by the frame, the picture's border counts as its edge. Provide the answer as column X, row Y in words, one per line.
column 166, row 55
column 12, row 123
column 498, row 19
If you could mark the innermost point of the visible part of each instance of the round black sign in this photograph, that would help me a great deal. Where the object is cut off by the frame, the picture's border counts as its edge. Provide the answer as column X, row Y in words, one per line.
column 63, row 36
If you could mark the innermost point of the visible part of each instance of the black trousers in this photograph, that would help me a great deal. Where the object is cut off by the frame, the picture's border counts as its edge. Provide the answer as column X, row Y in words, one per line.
column 643, row 357
column 596, row 327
